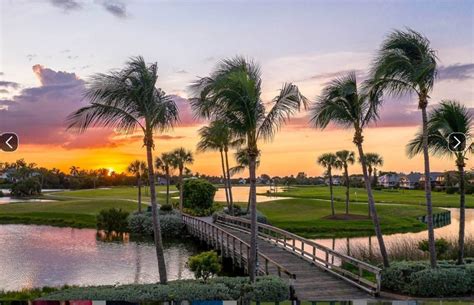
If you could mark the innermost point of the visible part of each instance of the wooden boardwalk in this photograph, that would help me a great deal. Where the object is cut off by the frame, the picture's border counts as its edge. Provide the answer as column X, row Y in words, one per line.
column 314, row 271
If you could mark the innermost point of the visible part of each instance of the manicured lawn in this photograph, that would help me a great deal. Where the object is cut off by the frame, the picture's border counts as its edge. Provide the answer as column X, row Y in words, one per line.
column 305, row 217
column 416, row 197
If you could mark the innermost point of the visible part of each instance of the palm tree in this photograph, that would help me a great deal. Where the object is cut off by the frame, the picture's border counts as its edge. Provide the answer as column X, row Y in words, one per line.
column 373, row 160
column 74, row 170
column 342, row 103
column 446, row 118
column 344, row 158
column 233, row 94
column 217, row 136
column 138, row 168
column 406, row 64
column 128, row 100
column 164, row 163
column 180, row 158
column 329, row 161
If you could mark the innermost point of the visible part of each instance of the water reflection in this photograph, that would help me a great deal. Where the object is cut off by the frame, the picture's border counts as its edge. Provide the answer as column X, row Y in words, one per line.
column 35, row 256
column 241, row 194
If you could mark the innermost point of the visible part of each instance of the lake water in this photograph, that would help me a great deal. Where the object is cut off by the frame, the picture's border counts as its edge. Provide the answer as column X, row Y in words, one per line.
column 35, row 256
column 241, row 194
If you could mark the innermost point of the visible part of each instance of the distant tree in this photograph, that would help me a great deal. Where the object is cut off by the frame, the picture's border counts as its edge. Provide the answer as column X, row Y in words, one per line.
column 329, row 161
column 138, row 168
column 165, row 164
column 180, row 158
column 344, row 159
column 373, row 160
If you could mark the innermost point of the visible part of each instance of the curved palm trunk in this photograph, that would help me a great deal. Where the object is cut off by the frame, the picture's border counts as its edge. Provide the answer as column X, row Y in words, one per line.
column 253, row 218
column 429, row 206
column 156, row 221
column 346, row 174
column 167, row 186
column 229, row 184
column 372, row 210
column 139, row 186
column 331, row 192
column 462, row 214
column 225, row 181
column 181, row 189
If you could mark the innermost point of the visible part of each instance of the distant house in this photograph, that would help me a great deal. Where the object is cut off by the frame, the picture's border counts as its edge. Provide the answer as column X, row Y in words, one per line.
column 335, row 181
column 7, row 174
column 436, row 179
column 410, row 181
column 389, row 180
column 242, row 181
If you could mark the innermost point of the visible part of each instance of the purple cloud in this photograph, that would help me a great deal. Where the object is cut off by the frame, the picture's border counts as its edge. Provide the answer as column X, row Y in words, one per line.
column 116, row 8
column 7, row 84
column 456, row 72
column 67, row 5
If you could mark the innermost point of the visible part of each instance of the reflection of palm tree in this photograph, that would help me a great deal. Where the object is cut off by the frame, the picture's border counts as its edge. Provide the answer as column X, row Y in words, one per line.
column 138, row 168
column 138, row 263
column 329, row 161
column 445, row 119
column 233, row 94
column 344, row 158
column 180, row 158
column 344, row 104
column 406, row 63
column 128, row 100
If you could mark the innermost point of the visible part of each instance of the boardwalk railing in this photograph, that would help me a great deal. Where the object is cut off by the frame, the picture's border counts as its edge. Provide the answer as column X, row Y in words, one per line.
column 233, row 247
column 354, row 271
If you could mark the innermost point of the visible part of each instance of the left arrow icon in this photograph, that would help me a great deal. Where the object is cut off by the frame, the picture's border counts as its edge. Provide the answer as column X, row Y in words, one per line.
column 9, row 142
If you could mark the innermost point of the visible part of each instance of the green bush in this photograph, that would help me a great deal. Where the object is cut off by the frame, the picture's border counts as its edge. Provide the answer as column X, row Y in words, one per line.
column 451, row 190
column 166, row 207
column 269, row 289
column 112, row 220
column 171, row 224
column 198, row 194
column 441, row 246
column 204, row 265
column 441, row 282
column 397, row 275
column 469, row 189
column 25, row 188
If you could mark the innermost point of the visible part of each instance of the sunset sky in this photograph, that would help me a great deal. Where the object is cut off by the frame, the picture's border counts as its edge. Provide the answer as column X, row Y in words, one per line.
column 48, row 49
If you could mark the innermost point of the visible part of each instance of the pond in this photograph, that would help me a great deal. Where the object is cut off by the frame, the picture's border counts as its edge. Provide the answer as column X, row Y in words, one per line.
column 36, row 256
column 241, row 194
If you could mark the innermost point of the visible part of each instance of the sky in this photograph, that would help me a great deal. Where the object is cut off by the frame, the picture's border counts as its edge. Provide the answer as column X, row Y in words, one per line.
column 50, row 48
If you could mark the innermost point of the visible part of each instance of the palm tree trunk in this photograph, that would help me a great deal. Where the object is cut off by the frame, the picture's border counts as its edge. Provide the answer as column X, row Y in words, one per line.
column 331, row 192
column 156, row 221
column 346, row 173
column 167, row 186
column 253, row 217
column 139, row 186
column 462, row 214
column 229, row 184
column 225, row 181
column 372, row 210
column 181, row 190
column 429, row 206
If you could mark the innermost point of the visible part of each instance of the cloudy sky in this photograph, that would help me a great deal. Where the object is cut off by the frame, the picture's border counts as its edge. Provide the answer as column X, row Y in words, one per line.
column 48, row 49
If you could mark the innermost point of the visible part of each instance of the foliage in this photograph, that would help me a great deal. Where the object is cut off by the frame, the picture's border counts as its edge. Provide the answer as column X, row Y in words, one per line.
column 112, row 220
column 451, row 190
column 28, row 294
column 166, row 208
column 198, row 194
column 171, row 224
column 441, row 246
column 204, row 265
column 221, row 288
column 26, row 187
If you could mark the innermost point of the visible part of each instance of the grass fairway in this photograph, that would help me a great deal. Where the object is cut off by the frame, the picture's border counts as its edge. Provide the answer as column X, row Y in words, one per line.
column 414, row 197
column 305, row 217
column 74, row 208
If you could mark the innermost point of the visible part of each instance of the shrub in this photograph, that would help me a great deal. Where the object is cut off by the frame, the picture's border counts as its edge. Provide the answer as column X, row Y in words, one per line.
column 221, row 288
column 171, row 224
column 198, row 194
column 25, row 188
column 441, row 246
column 112, row 220
column 204, row 265
column 440, row 282
column 469, row 189
column 166, row 207
column 451, row 190
column 397, row 275
column 1, row 194
column 260, row 217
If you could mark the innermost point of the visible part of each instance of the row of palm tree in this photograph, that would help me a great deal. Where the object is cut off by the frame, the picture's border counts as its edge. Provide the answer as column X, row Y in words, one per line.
column 128, row 100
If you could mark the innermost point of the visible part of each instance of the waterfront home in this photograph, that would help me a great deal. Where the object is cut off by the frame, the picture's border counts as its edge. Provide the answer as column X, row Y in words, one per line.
column 389, row 180
column 436, row 179
column 410, row 181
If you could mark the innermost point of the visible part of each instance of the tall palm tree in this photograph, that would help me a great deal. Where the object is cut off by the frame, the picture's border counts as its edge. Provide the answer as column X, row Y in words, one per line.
column 446, row 118
column 164, row 163
column 406, row 64
column 329, row 161
column 217, row 136
column 343, row 104
column 74, row 170
column 138, row 168
column 128, row 100
column 180, row 158
column 346, row 158
column 373, row 160
column 232, row 93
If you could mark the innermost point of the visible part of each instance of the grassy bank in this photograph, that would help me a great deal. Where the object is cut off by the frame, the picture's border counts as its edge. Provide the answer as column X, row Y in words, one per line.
column 413, row 197
column 308, row 218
